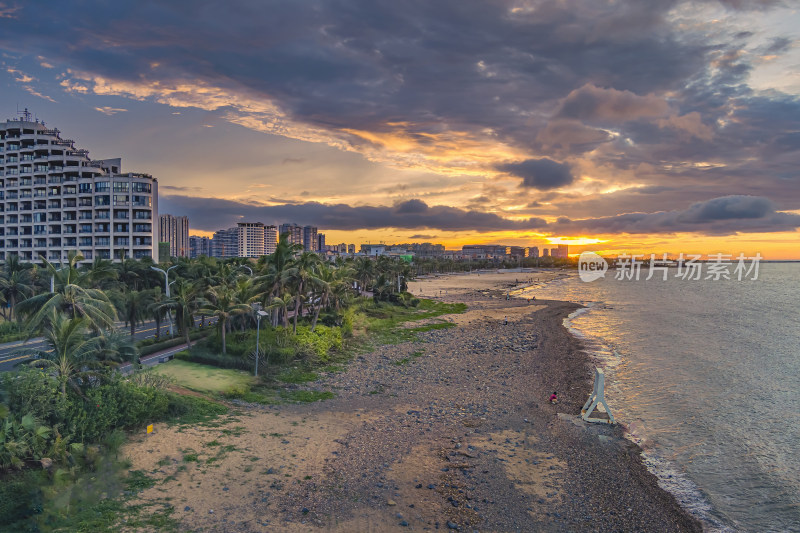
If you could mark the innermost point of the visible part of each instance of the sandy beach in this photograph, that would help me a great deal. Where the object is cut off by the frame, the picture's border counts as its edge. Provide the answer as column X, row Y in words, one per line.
column 453, row 431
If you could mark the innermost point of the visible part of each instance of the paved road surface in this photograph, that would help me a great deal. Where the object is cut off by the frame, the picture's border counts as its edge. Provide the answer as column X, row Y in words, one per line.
column 10, row 351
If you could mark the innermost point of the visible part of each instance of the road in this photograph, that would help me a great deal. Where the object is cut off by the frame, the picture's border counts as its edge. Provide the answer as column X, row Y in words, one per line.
column 10, row 356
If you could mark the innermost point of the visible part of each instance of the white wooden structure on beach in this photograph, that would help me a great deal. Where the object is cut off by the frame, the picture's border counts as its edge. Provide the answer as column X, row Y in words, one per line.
column 597, row 397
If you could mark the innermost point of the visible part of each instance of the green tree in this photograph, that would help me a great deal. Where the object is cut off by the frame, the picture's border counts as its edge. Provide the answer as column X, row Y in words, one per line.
column 72, row 354
column 73, row 295
column 221, row 303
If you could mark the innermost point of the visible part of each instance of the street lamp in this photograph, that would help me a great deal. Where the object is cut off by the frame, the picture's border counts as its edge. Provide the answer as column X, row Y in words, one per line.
column 260, row 313
column 166, row 290
column 248, row 268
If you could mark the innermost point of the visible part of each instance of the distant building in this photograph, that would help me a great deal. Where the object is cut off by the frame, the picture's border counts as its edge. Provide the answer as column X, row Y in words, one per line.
column 321, row 243
column 310, row 242
column 373, row 249
column 562, row 251
column 250, row 239
column 295, row 233
column 270, row 239
column 485, row 251
column 351, row 249
column 225, row 243
column 341, row 248
column 199, row 246
column 517, row 252
column 533, row 252
column 175, row 231
column 545, row 253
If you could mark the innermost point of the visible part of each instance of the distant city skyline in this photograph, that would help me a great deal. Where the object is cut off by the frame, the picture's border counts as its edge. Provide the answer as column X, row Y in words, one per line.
column 614, row 127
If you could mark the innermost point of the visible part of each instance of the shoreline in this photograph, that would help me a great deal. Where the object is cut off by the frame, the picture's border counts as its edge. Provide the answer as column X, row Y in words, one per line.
column 454, row 428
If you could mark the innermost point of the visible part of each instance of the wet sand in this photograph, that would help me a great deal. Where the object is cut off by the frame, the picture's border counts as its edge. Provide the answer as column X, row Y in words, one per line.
column 451, row 431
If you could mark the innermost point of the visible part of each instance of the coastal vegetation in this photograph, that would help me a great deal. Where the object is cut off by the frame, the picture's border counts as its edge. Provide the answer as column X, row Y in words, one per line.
column 65, row 411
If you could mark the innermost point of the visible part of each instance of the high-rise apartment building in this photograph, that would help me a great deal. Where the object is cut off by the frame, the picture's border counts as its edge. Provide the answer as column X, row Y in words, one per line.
column 55, row 199
column 351, row 249
column 533, row 252
column 270, row 239
column 562, row 251
column 310, row 243
column 225, row 243
column 199, row 246
column 175, row 231
column 545, row 252
column 295, row 233
column 321, row 242
column 251, row 239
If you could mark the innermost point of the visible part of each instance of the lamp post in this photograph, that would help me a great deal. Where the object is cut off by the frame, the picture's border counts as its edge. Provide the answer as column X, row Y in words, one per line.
column 259, row 315
column 166, row 290
column 248, row 268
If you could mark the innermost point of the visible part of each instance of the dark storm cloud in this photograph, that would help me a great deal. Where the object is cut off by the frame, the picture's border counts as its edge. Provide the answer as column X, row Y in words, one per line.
column 209, row 214
column 727, row 215
column 541, row 174
column 594, row 103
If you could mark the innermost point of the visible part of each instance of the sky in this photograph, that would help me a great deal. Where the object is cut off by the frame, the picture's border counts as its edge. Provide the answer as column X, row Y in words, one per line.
column 617, row 126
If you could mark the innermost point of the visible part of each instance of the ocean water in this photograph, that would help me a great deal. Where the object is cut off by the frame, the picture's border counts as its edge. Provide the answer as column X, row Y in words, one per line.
column 706, row 376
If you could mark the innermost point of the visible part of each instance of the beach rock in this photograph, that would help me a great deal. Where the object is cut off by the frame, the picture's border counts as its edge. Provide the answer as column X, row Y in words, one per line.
column 452, row 525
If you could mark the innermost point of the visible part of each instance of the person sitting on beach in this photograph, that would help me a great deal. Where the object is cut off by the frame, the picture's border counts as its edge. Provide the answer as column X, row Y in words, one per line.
column 554, row 398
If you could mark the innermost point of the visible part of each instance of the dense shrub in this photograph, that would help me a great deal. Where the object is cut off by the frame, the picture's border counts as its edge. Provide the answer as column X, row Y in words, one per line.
column 87, row 416
column 317, row 343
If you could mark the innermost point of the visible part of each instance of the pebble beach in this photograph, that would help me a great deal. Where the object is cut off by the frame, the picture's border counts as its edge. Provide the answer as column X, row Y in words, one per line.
column 452, row 431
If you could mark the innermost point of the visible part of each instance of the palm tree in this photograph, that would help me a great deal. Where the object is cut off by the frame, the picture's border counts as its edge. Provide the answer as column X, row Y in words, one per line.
column 72, row 296
column 133, row 306
column 221, row 303
column 301, row 274
column 101, row 273
column 15, row 286
column 276, row 267
column 72, row 352
column 364, row 272
column 156, row 308
column 184, row 299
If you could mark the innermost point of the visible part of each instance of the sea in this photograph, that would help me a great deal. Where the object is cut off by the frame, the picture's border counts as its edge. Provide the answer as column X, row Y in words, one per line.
column 705, row 376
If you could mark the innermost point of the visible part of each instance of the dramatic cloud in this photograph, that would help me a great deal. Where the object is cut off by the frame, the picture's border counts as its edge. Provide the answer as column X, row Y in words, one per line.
column 542, row 174
column 588, row 104
column 209, row 214
column 727, row 215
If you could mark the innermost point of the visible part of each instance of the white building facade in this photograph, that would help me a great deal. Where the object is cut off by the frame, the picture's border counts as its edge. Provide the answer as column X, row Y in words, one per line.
column 55, row 199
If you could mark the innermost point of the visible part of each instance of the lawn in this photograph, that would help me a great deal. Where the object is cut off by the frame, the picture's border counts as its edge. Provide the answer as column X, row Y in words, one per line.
column 204, row 378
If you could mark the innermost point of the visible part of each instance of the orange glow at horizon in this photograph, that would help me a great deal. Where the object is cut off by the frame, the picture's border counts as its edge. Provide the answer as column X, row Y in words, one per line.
column 771, row 246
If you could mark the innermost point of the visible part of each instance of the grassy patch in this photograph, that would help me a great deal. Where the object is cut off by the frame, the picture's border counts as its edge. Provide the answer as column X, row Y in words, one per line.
column 296, row 375
column 306, row 396
column 382, row 323
column 204, row 378
column 137, row 481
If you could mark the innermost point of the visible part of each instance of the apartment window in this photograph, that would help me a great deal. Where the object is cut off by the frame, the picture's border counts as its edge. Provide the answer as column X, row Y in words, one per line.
column 102, row 200
column 84, row 188
column 102, row 186
column 121, row 186
column 121, row 227
column 141, row 228
column 121, row 199
column 141, row 187
column 142, row 200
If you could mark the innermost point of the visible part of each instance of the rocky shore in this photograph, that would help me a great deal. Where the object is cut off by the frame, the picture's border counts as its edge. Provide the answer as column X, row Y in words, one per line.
column 451, row 432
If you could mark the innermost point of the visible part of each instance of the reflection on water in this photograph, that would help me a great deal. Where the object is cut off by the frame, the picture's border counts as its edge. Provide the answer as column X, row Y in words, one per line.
column 706, row 375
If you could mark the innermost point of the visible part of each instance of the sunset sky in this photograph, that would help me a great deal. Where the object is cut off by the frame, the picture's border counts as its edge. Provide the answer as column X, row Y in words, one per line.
column 623, row 125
